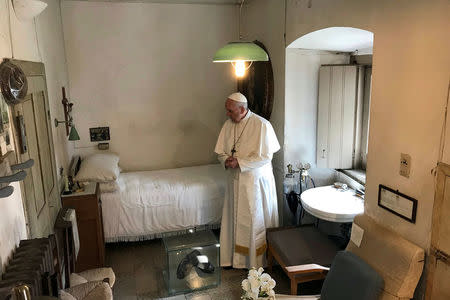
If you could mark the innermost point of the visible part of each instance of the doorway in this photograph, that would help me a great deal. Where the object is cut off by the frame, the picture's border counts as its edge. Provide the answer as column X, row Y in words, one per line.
column 332, row 46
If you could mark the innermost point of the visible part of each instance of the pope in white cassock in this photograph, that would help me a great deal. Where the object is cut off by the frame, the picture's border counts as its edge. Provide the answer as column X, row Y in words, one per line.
column 245, row 147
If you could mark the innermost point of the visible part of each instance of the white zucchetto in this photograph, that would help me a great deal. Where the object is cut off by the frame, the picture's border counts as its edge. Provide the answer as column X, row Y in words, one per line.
column 238, row 97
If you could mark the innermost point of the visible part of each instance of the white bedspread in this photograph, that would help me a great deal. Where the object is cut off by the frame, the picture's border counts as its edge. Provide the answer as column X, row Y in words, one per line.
column 149, row 203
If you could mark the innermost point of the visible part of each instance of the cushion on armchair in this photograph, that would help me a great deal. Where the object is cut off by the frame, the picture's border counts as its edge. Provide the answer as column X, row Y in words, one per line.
column 97, row 274
column 351, row 278
column 396, row 259
column 103, row 291
column 63, row 295
column 302, row 245
column 92, row 290
column 76, row 279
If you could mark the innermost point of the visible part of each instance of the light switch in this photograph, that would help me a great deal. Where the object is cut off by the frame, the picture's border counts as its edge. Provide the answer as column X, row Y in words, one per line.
column 405, row 164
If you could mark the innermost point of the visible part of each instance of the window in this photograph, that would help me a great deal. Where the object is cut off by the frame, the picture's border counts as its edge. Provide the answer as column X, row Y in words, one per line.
column 343, row 116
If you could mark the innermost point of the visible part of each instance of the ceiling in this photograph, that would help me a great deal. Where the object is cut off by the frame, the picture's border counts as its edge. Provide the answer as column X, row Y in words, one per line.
column 217, row 2
column 339, row 39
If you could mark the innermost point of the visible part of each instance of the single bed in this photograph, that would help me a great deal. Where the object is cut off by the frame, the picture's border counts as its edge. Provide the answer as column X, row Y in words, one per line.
column 152, row 204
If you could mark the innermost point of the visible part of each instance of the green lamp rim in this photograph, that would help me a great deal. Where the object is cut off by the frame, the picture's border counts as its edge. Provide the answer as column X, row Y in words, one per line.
column 244, row 51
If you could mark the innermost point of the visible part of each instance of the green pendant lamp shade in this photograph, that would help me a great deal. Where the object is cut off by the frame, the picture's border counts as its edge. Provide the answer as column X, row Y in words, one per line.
column 243, row 51
column 237, row 53
column 73, row 135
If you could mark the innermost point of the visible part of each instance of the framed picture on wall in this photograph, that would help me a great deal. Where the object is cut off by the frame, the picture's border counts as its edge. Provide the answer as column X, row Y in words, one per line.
column 99, row 134
column 397, row 203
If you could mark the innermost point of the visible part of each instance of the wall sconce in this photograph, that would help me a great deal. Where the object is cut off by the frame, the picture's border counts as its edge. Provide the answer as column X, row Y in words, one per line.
column 73, row 133
column 26, row 10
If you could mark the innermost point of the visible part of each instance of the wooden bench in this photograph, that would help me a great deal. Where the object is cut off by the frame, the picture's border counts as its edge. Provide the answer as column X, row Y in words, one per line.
column 304, row 253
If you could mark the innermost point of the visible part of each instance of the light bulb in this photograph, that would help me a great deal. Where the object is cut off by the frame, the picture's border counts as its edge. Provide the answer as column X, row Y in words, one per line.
column 239, row 68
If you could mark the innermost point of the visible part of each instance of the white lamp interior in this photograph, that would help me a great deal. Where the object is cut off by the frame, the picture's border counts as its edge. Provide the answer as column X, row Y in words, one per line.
column 26, row 10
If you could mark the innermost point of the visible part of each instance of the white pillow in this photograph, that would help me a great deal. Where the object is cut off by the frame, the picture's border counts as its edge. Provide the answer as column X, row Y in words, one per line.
column 102, row 167
column 109, row 187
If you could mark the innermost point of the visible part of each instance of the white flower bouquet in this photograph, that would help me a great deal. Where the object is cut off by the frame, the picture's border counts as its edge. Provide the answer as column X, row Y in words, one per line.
column 258, row 285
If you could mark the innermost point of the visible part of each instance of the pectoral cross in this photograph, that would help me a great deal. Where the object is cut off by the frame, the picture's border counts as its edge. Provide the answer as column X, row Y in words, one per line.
column 233, row 151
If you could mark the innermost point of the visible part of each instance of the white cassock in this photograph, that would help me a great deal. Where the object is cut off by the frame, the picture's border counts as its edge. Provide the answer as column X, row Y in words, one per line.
column 250, row 204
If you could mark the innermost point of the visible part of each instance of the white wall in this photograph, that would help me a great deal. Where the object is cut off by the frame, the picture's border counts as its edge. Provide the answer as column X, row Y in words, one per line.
column 145, row 70
column 263, row 20
column 415, row 90
column 5, row 39
column 411, row 65
column 302, row 86
column 52, row 54
column 39, row 40
column 12, row 224
column 409, row 91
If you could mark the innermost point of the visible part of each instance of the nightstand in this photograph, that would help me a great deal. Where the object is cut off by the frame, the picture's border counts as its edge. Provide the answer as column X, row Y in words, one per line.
column 88, row 208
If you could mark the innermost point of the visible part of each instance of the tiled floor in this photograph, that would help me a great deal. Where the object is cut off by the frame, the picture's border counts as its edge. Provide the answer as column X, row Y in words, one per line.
column 139, row 275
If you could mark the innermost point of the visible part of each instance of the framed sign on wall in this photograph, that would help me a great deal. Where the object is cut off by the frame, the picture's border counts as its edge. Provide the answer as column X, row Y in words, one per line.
column 397, row 203
column 99, row 134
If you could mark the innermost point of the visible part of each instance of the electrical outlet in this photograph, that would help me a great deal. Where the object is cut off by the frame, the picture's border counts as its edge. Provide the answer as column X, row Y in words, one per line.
column 405, row 164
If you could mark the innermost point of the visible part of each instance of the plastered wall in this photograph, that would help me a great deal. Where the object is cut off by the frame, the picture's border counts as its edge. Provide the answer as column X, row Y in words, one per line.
column 38, row 40
column 264, row 21
column 410, row 78
column 301, row 98
column 145, row 70
column 409, row 90
column 302, row 82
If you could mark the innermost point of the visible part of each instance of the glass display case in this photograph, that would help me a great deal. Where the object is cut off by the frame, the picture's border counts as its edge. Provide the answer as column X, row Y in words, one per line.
column 192, row 262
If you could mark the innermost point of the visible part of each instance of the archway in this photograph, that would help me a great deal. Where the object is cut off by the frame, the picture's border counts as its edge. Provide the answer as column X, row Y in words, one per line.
column 333, row 46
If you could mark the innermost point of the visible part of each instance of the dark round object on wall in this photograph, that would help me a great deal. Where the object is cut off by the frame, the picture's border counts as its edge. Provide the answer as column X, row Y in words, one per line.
column 258, row 86
column 13, row 82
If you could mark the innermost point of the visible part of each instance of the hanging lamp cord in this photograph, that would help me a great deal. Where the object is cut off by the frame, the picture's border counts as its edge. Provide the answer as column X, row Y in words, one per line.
column 240, row 13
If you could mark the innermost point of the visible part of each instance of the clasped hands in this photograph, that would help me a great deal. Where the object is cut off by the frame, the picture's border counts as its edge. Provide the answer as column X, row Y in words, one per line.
column 231, row 162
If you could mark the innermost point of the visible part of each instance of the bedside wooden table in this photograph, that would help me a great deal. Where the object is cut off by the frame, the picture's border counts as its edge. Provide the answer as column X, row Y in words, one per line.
column 88, row 208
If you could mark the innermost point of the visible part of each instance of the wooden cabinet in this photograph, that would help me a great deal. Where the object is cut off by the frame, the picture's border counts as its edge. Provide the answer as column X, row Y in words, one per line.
column 339, row 116
column 87, row 205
